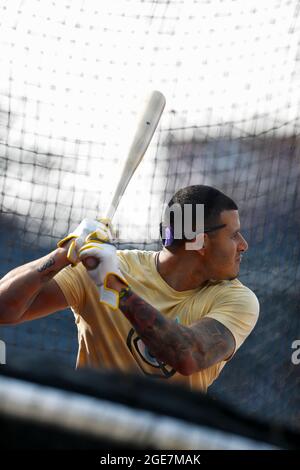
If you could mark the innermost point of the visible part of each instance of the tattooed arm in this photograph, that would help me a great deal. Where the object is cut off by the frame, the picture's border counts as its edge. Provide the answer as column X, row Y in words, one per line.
column 20, row 288
column 186, row 349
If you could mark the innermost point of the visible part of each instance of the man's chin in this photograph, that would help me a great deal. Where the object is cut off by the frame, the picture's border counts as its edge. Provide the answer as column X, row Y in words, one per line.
column 233, row 277
column 228, row 277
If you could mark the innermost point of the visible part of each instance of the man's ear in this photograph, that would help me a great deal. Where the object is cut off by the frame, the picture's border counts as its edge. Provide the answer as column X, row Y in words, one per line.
column 197, row 244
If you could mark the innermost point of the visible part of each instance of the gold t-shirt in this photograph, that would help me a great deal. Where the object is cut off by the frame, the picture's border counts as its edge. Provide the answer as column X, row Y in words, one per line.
column 107, row 339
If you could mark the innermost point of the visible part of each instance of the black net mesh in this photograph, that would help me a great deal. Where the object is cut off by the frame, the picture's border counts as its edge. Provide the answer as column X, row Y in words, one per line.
column 73, row 76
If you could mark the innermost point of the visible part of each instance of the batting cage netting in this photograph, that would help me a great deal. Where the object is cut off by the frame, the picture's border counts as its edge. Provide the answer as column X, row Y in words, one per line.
column 73, row 78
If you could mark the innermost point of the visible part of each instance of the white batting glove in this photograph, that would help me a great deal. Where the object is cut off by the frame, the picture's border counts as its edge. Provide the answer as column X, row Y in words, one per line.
column 105, row 254
column 102, row 227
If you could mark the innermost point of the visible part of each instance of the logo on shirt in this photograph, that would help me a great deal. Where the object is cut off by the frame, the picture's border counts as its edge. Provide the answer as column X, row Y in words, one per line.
column 147, row 362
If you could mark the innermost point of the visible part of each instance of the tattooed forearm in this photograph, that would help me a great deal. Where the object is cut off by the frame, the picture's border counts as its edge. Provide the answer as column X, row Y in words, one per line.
column 167, row 340
column 44, row 270
column 217, row 340
column 21, row 286
column 186, row 349
column 50, row 262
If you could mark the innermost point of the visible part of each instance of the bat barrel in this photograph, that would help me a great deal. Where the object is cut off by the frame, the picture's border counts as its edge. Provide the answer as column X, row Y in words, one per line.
column 146, row 127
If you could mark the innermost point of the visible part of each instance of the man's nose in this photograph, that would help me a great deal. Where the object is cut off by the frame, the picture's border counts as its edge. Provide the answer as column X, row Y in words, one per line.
column 243, row 246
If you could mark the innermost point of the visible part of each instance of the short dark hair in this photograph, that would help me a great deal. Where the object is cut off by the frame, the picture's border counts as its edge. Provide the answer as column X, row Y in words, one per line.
column 214, row 202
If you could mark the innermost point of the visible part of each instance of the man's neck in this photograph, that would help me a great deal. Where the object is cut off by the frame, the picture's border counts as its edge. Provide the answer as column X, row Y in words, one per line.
column 179, row 271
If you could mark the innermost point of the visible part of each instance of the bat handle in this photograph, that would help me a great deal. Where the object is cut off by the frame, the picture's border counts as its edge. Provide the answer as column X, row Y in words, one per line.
column 90, row 262
column 117, row 197
column 111, row 211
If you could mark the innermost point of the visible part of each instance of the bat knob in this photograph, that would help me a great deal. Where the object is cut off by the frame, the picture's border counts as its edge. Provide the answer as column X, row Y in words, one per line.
column 90, row 262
